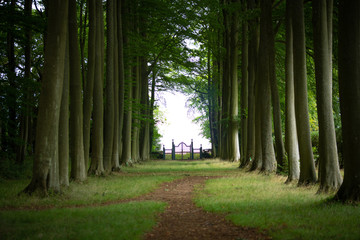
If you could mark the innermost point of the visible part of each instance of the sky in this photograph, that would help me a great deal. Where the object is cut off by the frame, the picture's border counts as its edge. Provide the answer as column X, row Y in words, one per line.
column 179, row 125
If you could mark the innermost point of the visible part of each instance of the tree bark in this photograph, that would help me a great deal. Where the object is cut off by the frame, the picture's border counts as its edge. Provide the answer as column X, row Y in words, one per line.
column 244, row 88
column 121, row 72
column 126, row 134
column 268, row 154
column 349, row 83
column 97, row 143
column 109, row 88
column 279, row 143
column 78, row 171
column 64, row 124
column 115, row 166
column 46, row 149
column 329, row 171
column 233, row 141
column 307, row 166
column 252, row 49
column 291, row 140
column 89, row 86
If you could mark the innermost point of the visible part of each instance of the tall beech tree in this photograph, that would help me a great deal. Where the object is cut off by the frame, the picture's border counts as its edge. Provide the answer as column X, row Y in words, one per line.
column 78, row 170
column 90, row 78
column 109, row 87
column 307, row 165
column 64, row 146
column 244, row 85
column 97, row 141
column 128, row 95
column 329, row 171
column 291, row 140
column 45, row 170
column 264, row 72
column 252, row 51
column 349, row 83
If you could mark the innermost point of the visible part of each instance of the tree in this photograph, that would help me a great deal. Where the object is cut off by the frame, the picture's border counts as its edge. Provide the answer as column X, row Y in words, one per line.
column 329, row 171
column 307, row 166
column 244, row 87
column 268, row 154
column 349, row 83
column 252, row 51
column 45, row 170
column 97, row 141
column 90, row 78
column 109, row 87
column 78, row 170
column 291, row 140
column 64, row 124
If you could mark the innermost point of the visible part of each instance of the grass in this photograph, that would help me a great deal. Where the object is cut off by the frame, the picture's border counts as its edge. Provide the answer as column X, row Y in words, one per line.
column 94, row 190
column 284, row 211
column 247, row 199
column 192, row 167
column 121, row 221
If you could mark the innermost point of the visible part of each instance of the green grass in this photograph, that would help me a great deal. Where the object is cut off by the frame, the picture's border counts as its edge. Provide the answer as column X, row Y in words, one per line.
column 193, row 167
column 121, row 221
column 248, row 199
column 285, row 211
column 93, row 190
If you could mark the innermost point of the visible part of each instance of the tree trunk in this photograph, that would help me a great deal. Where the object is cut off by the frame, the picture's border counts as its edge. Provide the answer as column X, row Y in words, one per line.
column 291, row 140
column 115, row 166
column 45, row 159
column 78, row 171
column 279, row 143
column 329, row 172
column 109, row 88
column 64, row 124
column 25, row 113
column 252, row 49
column 349, row 83
column 126, row 134
column 307, row 166
column 234, row 154
column 145, row 130
column 89, row 86
column 135, row 150
column 268, row 154
column 121, row 72
column 244, row 89
column 97, row 143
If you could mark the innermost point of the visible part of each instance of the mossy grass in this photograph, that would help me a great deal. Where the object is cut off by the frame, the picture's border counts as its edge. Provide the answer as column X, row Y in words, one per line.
column 285, row 211
column 120, row 221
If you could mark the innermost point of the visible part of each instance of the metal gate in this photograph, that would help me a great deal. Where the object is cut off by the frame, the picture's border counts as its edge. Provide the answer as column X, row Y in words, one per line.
column 182, row 149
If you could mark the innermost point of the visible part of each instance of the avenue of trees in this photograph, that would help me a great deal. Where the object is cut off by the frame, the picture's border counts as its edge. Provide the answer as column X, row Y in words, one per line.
column 276, row 81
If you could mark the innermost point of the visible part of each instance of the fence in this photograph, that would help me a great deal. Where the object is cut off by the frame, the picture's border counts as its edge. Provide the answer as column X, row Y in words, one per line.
column 183, row 150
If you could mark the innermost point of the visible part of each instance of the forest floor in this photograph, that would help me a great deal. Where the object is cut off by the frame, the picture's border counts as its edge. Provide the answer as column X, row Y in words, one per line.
column 183, row 220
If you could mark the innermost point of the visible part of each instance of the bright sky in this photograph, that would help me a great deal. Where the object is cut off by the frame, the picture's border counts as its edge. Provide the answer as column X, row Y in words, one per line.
column 179, row 125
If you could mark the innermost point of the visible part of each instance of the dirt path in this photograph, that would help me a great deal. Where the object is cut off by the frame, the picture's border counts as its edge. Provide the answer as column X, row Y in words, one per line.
column 183, row 220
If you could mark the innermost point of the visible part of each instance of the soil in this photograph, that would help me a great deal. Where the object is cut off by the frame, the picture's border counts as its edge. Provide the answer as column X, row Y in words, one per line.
column 183, row 220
